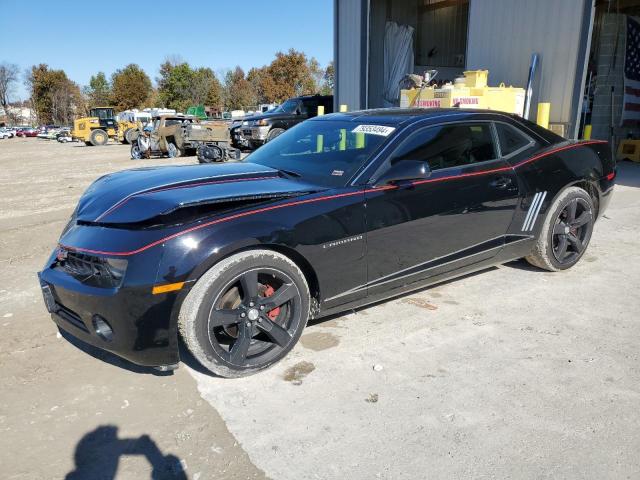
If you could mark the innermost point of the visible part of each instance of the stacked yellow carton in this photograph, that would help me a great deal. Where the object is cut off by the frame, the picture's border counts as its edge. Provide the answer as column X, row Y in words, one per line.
column 473, row 93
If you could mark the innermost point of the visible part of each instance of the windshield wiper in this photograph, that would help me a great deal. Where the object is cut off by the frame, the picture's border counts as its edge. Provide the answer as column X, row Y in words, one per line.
column 289, row 173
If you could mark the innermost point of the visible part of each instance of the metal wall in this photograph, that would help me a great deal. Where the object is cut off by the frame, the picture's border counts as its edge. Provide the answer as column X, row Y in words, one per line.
column 504, row 33
column 350, row 52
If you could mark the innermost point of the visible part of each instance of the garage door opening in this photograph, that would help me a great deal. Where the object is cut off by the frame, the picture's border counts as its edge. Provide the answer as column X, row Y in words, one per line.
column 425, row 34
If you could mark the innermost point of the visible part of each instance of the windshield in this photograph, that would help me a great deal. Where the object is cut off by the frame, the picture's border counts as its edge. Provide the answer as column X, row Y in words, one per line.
column 287, row 107
column 102, row 113
column 324, row 152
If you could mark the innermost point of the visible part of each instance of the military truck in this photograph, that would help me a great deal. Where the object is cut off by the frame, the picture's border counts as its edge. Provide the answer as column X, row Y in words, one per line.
column 178, row 135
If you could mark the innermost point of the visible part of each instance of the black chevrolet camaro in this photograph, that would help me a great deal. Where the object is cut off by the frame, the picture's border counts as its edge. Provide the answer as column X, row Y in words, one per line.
column 340, row 211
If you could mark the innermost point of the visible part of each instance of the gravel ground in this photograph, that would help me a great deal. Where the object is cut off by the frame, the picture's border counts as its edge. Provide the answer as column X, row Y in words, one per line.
column 62, row 410
column 509, row 373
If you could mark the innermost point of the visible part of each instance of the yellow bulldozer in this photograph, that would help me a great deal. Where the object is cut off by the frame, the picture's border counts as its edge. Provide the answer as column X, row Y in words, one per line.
column 100, row 126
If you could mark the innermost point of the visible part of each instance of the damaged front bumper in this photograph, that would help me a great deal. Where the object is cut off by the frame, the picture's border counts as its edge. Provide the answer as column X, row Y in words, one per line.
column 129, row 320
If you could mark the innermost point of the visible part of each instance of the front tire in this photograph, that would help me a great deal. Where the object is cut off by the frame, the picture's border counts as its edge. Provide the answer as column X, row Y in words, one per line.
column 136, row 153
column 246, row 313
column 173, row 151
column 566, row 231
column 98, row 137
column 273, row 133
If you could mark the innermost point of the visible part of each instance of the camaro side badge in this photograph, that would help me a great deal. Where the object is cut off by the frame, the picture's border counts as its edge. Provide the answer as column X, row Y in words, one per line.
column 382, row 130
column 344, row 241
column 532, row 213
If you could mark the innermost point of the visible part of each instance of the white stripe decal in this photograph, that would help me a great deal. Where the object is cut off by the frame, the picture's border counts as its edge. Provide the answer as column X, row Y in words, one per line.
column 530, row 211
column 534, row 218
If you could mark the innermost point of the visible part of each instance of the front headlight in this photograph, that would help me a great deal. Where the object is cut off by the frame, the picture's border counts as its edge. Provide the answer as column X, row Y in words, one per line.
column 117, row 267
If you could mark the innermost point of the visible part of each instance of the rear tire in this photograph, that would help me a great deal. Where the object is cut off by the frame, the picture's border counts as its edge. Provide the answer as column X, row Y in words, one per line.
column 566, row 231
column 128, row 135
column 98, row 137
column 222, row 321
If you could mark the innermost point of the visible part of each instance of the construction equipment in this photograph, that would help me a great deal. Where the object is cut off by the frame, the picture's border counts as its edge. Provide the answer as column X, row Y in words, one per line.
column 128, row 123
column 97, row 128
column 103, row 124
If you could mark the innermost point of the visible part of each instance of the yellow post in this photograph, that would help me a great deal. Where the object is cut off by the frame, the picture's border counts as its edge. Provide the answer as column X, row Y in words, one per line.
column 587, row 132
column 343, row 108
column 543, row 114
column 320, row 138
column 343, row 139
column 359, row 140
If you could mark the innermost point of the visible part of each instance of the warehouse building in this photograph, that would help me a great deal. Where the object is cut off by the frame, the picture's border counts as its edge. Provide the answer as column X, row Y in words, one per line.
column 580, row 46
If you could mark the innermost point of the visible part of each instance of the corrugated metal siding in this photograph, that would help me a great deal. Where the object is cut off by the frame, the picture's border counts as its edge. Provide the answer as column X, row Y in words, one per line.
column 444, row 28
column 349, row 53
column 504, row 33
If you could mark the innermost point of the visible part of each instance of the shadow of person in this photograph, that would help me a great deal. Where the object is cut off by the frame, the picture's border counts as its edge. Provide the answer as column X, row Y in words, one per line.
column 98, row 454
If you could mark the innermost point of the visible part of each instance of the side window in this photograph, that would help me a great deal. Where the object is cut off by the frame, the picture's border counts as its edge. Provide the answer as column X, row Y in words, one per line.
column 310, row 107
column 511, row 140
column 449, row 145
column 328, row 104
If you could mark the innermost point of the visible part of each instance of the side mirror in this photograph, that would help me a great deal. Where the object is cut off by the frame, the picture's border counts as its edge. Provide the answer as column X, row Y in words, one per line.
column 405, row 170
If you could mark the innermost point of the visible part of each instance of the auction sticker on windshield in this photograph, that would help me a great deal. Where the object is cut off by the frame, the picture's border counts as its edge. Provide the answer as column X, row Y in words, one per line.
column 381, row 130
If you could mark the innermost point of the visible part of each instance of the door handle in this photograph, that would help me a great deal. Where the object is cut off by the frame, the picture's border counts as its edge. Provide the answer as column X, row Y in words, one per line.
column 501, row 183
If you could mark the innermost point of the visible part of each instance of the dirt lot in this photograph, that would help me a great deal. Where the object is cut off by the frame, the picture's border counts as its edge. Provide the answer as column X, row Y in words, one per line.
column 510, row 373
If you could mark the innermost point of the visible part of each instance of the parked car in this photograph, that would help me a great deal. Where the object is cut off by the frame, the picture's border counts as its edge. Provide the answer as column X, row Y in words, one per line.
column 11, row 132
column 64, row 136
column 27, row 132
column 237, row 257
column 259, row 129
column 5, row 133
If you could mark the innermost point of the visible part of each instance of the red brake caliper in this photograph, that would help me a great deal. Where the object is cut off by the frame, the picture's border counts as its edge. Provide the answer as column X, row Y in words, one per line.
column 273, row 314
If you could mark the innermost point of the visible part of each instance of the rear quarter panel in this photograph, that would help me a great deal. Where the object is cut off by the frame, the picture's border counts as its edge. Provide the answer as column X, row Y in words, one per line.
column 558, row 167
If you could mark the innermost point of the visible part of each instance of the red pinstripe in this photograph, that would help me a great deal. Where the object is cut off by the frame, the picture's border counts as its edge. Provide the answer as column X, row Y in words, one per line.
column 316, row 199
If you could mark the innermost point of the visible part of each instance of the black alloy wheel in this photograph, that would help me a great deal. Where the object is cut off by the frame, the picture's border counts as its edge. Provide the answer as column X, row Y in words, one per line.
column 571, row 231
column 245, row 313
column 565, row 233
column 254, row 317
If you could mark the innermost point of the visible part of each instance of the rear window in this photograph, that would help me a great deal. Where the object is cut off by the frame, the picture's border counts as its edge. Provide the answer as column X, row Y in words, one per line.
column 511, row 140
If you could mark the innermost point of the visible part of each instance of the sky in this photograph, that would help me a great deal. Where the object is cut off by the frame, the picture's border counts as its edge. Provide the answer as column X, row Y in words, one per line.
column 84, row 38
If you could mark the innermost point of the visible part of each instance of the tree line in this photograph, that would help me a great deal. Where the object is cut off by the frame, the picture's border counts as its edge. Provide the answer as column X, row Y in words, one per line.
column 57, row 100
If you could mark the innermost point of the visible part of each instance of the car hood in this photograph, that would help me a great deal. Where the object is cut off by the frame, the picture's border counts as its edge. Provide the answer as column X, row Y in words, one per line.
column 133, row 196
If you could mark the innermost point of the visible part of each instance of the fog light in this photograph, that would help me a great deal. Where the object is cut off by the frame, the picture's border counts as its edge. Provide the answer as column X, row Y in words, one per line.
column 102, row 328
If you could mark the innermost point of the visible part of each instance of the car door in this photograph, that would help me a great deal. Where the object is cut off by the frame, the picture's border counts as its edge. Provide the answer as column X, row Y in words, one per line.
column 457, row 216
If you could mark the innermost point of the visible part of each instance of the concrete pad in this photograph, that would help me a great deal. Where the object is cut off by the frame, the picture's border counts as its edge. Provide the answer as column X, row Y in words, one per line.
column 509, row 373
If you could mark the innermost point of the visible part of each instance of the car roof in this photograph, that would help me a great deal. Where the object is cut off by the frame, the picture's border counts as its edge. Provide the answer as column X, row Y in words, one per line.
column 309, row 97
column 403, row 116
